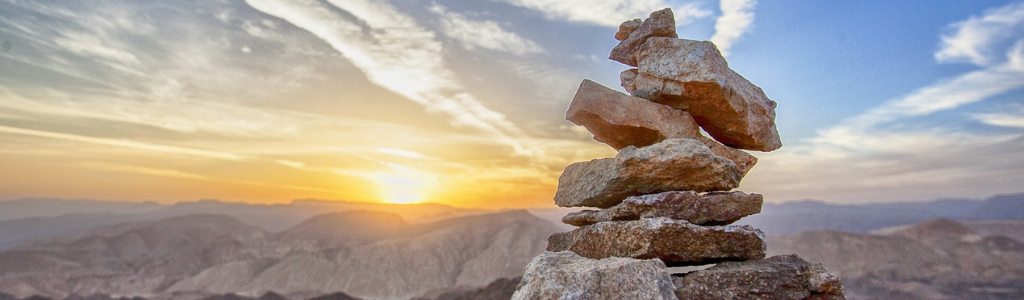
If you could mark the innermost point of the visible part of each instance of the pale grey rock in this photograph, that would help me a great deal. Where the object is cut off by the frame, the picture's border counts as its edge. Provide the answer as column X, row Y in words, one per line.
column 675, row 242
column 777, row 277
column 716, row 208
column 693, row 76
column 671, row 165
column 661, row 23
column 568, row 276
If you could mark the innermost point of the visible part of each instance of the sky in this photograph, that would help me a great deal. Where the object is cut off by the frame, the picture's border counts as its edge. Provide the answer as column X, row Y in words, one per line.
column 463, row 102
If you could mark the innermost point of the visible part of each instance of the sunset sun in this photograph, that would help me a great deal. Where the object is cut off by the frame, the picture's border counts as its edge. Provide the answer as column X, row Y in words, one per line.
column 403, row 185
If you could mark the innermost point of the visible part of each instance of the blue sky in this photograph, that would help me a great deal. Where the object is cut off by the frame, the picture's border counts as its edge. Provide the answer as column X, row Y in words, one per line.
column 462, row 102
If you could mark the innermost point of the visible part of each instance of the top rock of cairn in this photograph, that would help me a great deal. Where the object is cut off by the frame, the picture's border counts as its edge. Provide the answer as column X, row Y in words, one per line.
column 694, row 76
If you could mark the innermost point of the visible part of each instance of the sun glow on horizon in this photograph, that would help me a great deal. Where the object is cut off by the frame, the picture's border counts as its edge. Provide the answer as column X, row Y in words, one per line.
column 404, row 185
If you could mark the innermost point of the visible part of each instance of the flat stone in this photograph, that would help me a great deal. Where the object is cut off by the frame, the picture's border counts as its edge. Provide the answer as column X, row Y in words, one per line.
column 716, row 208
column 671, row 165
column 776, row 277
column 620, row 120
column 693, row 76
column 661, row 23
column 676, row 242
column 568, row 276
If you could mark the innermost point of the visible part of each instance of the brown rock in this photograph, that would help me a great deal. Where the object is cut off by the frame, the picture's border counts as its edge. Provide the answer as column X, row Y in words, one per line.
column 776, row 277
column 675, row 242
column 716, row 208
column 693, row 76
column 565, row 275
column 626, row 28
column 671, row 165
column 626, row 78
column 620, row 120
column 661, row 23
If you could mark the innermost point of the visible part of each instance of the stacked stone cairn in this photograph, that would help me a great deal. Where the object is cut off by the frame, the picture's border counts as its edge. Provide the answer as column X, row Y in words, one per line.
column 665, row 198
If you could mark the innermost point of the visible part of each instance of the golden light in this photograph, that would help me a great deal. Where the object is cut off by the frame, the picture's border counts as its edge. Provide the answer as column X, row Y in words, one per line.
column 404, row 185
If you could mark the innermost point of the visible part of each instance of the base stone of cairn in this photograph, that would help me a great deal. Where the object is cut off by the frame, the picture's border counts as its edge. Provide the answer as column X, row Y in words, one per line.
column 565, row 275
column 665, row 199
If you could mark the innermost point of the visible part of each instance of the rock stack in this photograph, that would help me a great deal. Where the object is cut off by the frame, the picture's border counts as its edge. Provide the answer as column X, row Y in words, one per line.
column 665, row 198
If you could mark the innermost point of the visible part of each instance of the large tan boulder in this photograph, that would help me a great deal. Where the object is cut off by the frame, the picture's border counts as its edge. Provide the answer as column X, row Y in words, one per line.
column 716, row 208
column 693, row 76
column 676, row 242
column 671, row 165
column 621, row 120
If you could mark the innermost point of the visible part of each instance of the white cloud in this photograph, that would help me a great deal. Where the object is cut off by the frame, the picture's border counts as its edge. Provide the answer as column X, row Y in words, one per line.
column 1012, row 118
column 609, row 13
column 482, row 34
column 974, row 40
column 736, row 18
column 945, row 95
column 395, row 53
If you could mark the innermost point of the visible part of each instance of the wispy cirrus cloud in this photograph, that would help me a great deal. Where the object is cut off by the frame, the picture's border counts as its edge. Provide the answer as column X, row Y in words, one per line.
column 609, row 13
column 1010, row 118
column 736, row 19
column 976, row 40
column 394, row 52
column 485, row 34
column 885, row 149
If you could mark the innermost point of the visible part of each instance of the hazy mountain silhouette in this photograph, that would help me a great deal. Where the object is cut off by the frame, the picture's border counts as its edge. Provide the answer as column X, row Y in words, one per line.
column 364, row 254
column 796, row 217
column 31, row 219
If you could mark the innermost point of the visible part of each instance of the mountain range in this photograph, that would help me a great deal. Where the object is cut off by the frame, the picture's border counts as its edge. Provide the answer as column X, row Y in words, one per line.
column 59, row 249
column 365, row 254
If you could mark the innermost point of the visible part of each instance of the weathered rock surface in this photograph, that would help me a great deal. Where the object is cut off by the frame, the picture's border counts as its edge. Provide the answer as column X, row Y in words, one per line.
column 693, row 76
column 671, row 165
column 626, row 28
column 776, row 277
column 661, row 23
column 620, row 120
column 675, row 242
column 716, row 208
column 566, row 275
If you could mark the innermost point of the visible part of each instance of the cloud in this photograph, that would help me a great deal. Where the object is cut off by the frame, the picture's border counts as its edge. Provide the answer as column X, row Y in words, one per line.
column 124, row 143
column 887, row 154
column 609, row 13
column 395, row 53
column 1011, row 118
column 975, row 40
column 482, row 34
column 736, row 18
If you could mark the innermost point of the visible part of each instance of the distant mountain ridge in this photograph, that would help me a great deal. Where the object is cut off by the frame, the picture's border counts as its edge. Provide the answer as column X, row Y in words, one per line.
column 335, row 252
column 29, row 219
column 796, row 217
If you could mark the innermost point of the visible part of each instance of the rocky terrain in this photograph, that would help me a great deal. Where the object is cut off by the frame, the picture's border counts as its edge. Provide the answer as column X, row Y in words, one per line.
column 937, row 259
column 364, row 254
